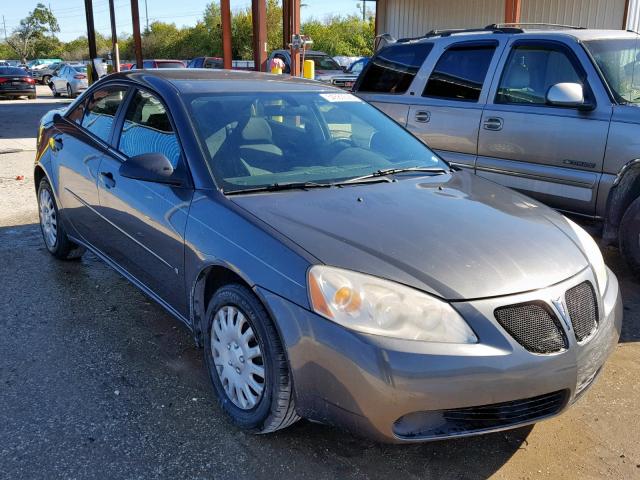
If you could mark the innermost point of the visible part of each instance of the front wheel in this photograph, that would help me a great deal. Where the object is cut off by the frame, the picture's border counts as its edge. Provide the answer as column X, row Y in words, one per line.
column 69, row 91
column 246, row 362
column 53, row 232
column 45, row 79
column 630, row 237
column 54, row 90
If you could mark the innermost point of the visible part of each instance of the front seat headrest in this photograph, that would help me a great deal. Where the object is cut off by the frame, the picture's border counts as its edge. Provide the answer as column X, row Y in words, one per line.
column 257, row 130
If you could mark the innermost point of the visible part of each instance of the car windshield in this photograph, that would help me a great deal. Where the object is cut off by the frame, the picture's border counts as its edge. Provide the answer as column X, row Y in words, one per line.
column 271, row 139
column 11, row 71
column 324, row 62
column 619, row 60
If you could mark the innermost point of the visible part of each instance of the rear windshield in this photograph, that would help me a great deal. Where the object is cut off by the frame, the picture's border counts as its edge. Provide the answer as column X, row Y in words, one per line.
column 12, row 71
column 393, row 68
column 170, row 65
column 80, row 68
column 324, row 62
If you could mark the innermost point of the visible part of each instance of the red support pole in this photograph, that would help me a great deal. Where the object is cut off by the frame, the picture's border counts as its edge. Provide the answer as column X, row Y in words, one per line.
column 225, row 13
column 512, row 11
column 286, row 23
column 259, row 16
column 295, row 29
column 135, row 19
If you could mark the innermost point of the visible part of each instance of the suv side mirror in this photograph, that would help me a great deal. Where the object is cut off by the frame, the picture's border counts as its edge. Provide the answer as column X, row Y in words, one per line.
column 151, row 167
column 568, row 95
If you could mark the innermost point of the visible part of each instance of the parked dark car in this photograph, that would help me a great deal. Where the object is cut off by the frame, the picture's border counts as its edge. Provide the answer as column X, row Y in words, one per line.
column 331, row 265
column 15, row 82
column 206, row 62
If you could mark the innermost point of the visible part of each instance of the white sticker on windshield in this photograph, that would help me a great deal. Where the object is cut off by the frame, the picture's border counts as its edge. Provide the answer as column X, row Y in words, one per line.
column 339, row 97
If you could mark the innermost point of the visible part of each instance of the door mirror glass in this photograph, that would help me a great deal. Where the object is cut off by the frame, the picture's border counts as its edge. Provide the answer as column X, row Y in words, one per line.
column 566, row 95
column 150, row 167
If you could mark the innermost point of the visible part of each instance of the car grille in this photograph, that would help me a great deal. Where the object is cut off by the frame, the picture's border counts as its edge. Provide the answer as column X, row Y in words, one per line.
column 459, row 421
column 582, row 309
column 534, row 326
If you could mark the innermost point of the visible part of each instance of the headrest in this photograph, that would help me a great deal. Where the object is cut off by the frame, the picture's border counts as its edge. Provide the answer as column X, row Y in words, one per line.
column 257, row 129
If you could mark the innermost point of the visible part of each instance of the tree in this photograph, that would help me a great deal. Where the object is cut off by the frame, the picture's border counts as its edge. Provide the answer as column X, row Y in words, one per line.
column 32, row 29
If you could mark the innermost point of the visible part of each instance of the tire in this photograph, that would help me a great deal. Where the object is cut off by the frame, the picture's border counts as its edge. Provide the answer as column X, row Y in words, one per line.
column 32, row 96
column 275, row 407
column 45, row 79
column 58, row 244
column 54, row 90
column 70, row 91
column 630, row 237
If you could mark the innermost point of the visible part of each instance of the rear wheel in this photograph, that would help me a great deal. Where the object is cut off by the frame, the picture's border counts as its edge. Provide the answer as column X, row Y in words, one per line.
column 53, row 232
column 45, row 79
column 246, row 362
column 630, row 236
column 32, row 96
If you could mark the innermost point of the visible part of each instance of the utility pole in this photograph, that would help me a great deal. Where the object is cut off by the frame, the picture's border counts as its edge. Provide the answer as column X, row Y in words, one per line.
column 91, row 37
column 259, row 16
column 5, row 28
column 146, row 14
column 227, row 53
column 115, row 57
column 137, row 41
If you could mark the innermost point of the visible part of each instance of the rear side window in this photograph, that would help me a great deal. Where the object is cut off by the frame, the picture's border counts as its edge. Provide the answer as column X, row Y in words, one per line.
column 393, row 68
column 460, row 73
column 147, row 129
column 101, row 109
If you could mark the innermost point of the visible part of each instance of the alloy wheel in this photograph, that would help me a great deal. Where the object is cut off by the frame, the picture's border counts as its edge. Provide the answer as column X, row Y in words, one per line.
column 237, row 357
column 48, row 218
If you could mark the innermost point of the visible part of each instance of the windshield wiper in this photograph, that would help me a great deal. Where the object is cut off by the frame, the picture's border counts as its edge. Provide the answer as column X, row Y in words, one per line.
column 276, row 187
column 390, row 171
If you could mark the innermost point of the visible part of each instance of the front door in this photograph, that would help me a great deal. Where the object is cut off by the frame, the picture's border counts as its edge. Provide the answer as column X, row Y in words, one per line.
column 552, row 153
column 146, row 221
column 447, row 115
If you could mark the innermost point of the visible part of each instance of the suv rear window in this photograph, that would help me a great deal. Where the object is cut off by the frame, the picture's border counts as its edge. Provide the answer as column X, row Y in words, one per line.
column 460, row 73
column 393, row 68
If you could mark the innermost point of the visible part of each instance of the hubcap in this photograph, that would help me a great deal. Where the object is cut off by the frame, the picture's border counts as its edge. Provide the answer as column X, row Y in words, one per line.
column 48, row 218
column 237, row 357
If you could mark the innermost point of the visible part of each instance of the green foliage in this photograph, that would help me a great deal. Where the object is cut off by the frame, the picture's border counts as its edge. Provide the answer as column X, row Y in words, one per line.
column 27, row 38
column 335, row 35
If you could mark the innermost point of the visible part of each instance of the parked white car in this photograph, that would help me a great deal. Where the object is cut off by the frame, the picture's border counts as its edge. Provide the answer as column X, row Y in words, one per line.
column 70, row 79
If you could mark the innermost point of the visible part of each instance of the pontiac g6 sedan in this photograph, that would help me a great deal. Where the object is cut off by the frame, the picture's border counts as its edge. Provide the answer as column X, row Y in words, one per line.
column 331, row 266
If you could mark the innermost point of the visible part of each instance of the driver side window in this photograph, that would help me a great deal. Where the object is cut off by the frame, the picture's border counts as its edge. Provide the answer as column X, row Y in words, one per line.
column 147, row 129
column 531, row 70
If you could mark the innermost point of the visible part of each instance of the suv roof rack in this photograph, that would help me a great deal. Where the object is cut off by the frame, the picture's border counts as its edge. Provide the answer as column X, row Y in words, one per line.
column 534, row 24
column 448, row 32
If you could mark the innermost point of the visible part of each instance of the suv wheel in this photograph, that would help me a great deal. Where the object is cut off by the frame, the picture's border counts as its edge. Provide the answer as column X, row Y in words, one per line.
column 246, row 362
column 53, row 232
column 630, row 236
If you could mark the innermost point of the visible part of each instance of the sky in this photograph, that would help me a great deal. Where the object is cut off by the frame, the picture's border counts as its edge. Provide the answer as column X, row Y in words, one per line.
column 70, row 13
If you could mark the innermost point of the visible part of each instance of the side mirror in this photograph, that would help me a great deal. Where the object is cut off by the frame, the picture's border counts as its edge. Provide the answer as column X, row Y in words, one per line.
column 151, row 167
column 568, row 95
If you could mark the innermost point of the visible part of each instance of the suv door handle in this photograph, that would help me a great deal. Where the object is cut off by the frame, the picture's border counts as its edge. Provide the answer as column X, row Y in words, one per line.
column 422, row 116
column 493, row 123
column 108, row 180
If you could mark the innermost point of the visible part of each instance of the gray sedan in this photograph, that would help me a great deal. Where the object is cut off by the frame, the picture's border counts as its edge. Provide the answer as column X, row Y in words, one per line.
column 329, row 264
column 70, row 80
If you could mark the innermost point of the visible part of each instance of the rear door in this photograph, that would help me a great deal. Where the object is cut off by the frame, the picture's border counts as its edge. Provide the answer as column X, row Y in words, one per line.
column 77, row 147
column 447, row 114
column 552, row 153
column 145, row 221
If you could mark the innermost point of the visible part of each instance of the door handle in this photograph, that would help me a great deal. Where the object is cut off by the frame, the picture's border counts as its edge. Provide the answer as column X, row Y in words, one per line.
column 108, row 180
column 422, row 116
column 493, row 123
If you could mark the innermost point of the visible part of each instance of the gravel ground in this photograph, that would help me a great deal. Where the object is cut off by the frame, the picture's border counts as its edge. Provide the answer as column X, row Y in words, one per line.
column 96, row 381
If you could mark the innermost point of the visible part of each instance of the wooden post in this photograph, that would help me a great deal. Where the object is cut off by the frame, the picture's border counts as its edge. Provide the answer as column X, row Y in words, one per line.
column 259, row 16
column 135, row 19
column 512, row 11
column 286, row 24
column 295, row 29
column 91, row 37
column 625, row 15
column 227, row 54
column 115, row 54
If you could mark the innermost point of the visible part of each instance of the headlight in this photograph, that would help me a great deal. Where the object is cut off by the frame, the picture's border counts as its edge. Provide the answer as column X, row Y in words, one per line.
column 380, row 307
column 592, row 251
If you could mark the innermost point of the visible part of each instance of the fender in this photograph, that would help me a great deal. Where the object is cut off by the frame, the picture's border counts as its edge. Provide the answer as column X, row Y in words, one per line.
column 626, row 188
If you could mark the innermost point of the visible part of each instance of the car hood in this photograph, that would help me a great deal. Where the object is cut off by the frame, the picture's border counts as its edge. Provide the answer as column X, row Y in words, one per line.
column 454, row 235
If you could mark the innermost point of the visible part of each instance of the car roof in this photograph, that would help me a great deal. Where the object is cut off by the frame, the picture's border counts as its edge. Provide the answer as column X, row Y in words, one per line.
column 206, row 80
column 542, row 31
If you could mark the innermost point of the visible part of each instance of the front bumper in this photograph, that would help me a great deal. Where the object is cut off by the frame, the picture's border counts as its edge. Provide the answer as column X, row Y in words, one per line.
column 373, row 385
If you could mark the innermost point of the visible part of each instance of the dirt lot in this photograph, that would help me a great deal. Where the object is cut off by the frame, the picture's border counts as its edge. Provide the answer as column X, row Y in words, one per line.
column 96, row 381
